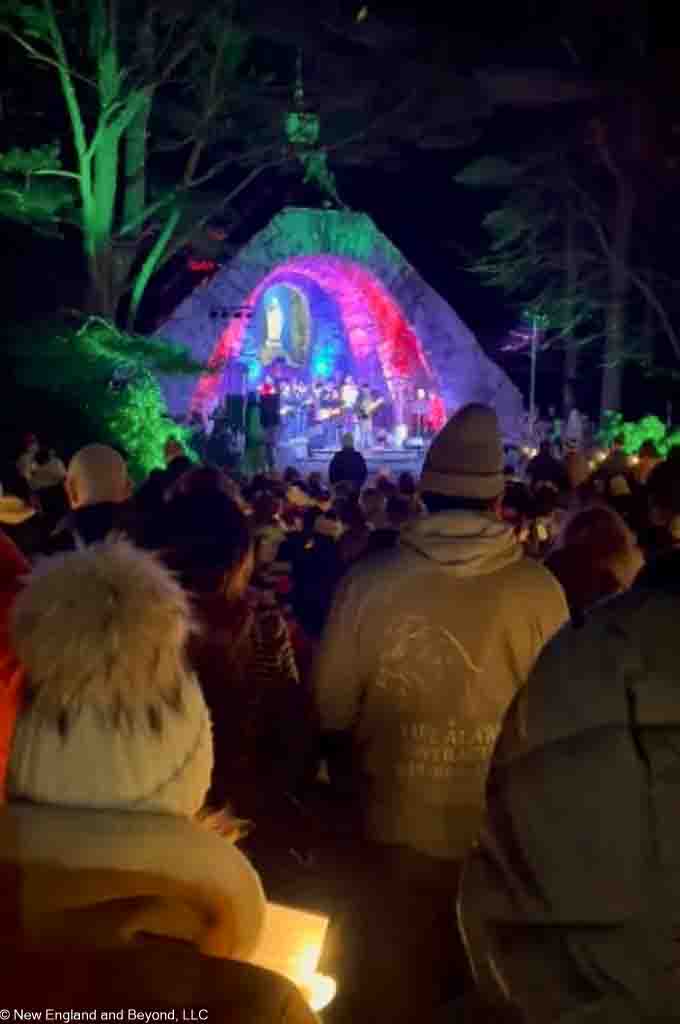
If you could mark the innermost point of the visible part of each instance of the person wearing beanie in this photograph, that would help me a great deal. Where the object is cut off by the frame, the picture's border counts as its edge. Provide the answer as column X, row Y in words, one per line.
column 110, row 763
column 348, row 465
column 425, row 648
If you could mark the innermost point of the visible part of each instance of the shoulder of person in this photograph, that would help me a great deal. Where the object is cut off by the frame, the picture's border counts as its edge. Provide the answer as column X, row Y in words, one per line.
column 366, row 578
column 583, row 676
column 534, row 583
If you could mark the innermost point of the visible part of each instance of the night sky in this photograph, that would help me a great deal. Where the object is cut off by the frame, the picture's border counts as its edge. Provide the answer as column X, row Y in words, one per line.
column 434, row 222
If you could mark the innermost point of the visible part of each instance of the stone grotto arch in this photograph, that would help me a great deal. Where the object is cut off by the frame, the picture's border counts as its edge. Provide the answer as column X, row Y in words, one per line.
column 368, row 307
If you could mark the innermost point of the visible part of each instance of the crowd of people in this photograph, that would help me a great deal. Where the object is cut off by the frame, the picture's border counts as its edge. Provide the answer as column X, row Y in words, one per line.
column 443, row 711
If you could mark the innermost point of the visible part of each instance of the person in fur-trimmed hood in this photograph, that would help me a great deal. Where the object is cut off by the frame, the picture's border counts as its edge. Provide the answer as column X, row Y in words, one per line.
column 111, row 759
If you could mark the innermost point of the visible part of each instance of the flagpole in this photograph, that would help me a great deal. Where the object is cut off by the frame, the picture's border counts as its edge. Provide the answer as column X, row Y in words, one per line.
column 532, row 387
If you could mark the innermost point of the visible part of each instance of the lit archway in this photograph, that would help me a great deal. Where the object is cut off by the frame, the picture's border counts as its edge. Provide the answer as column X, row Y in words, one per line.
column 378, row 336
column 388, row 316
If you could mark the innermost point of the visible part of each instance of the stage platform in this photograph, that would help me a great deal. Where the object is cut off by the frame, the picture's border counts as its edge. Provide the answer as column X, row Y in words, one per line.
column 393, row 460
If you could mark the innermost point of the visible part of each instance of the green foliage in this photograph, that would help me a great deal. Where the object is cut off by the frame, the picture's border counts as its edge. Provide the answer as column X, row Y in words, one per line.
column 302, row 129
column 489, row 172
column 28, row 161
column 117, row 65
column 635, row 433
column 34, row 190
column 672, row 440
column 32, row 18
column 105, row 375
column 317, row 172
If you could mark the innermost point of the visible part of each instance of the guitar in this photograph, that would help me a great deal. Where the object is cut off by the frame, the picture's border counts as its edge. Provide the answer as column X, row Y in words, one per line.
column 366, row 409
column 327, row 414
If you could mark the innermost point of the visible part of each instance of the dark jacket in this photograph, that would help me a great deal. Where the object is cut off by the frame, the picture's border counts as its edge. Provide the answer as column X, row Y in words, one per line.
column 261, row 713
column 153, row 975
column 89, row 525
column 348, row 466
column 544, row 468
column 585, row 584
column 587, row 763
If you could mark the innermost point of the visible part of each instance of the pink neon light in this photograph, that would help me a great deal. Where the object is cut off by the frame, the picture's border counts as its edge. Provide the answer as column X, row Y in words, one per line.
column 371, row 317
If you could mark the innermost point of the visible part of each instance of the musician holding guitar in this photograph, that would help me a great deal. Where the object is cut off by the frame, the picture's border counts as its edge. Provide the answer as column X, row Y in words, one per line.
column 365, row 407
column 329, row 413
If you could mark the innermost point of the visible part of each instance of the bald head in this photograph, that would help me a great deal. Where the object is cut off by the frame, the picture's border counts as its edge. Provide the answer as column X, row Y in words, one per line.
column 97, row 474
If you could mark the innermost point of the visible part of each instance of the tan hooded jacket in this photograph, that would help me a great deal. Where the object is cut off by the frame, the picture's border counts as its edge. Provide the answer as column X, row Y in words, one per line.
column 425, row 649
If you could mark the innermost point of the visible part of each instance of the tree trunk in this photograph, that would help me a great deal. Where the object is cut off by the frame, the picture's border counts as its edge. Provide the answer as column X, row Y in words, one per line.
column 571, row 279
column 101, row 297
column 134, row 196
column 135, row 169
column 612, row 376
column 628, row 130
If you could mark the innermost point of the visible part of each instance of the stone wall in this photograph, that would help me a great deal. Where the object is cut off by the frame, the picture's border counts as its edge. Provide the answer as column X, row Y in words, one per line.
column 462, row 371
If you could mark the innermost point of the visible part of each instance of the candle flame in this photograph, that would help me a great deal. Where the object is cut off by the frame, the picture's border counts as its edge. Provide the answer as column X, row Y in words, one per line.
column 320, row 991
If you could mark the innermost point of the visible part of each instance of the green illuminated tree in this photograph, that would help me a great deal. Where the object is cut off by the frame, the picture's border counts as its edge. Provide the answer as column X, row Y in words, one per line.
column 99, row 382
column 114, row 63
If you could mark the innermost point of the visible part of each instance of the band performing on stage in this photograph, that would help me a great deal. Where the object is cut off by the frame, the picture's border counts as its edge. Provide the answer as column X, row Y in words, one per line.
column 317, row 415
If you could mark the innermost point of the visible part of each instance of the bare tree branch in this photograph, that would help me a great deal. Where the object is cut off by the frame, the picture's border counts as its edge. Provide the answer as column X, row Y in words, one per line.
column 44, row 58
column 55, row 174
column 643, row 287
column 173, row 147
column 239, row 158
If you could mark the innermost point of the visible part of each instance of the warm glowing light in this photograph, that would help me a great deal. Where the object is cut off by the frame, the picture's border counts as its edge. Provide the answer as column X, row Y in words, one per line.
column 634, row 460
column 291, row 945
column 320, row 991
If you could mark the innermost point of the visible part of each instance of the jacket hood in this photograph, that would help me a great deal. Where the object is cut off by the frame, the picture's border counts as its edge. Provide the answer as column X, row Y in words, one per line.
column 464, row 543
column 128, row 874
column 14, row 511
